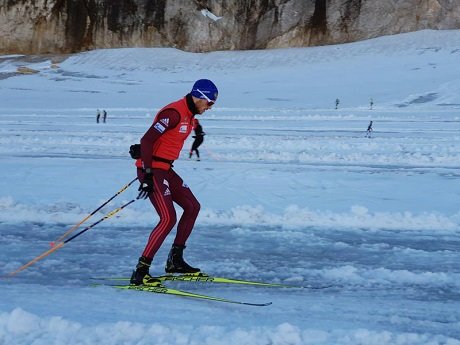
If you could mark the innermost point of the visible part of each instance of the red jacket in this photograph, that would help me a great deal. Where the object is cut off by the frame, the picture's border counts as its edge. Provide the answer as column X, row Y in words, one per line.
column 169, row 144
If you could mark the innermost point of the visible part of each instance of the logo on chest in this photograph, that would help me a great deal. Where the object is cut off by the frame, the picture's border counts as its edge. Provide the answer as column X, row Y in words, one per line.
column 183, row 129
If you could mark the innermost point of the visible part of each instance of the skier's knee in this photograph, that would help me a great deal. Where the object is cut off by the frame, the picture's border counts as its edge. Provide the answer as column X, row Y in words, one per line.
column 168, row 221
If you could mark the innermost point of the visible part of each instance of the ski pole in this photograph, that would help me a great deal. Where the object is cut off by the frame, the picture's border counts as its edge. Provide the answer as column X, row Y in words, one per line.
column 110, row 214
column 61, row 244
column 68, row 232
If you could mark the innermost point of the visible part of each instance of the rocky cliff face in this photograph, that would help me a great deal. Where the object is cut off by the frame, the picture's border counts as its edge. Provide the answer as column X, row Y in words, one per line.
column 65, row 26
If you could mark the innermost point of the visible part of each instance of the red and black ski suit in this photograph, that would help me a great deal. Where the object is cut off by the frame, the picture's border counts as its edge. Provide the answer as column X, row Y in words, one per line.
column 160, row 146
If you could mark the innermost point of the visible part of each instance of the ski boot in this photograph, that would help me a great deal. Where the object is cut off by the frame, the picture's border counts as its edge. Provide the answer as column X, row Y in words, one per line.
column 141, row 275
column 176, row 263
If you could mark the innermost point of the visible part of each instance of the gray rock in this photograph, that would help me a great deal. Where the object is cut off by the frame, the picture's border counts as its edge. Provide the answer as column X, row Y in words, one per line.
column 68, row 26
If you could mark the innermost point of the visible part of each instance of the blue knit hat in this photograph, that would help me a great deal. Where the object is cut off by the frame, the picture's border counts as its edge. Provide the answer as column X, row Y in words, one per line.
column 205, row 89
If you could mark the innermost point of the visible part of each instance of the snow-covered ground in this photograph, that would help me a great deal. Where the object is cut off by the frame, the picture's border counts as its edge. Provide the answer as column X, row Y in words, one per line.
column 291, row 191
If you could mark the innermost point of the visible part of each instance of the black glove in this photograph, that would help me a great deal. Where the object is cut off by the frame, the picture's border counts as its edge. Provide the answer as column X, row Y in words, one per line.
column 146, row 186
column 135, row 151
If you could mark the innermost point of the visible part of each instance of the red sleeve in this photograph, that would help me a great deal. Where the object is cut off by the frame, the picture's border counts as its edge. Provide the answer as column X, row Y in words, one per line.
column 166, row 120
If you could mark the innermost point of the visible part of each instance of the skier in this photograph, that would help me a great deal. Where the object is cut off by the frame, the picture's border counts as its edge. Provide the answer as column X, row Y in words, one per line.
column 98, row 115
column 160, row 146
column 369, row 130
column 337, row 101
column 199, row 137
column 371, row 103
column 104, row 115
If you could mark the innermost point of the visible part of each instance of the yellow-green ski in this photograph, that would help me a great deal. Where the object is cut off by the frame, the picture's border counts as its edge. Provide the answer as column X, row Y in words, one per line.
column 205, row 278
column 168, row 291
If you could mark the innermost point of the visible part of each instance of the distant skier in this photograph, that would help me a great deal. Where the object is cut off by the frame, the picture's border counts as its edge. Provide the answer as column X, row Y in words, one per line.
column 104, row 116
column 371, row 103
column 199, row 137
column 337, row 101
column 369, row 130
column 98, row 116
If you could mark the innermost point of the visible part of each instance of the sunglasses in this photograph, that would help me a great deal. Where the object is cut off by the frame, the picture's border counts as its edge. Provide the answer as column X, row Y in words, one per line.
column 210, row 103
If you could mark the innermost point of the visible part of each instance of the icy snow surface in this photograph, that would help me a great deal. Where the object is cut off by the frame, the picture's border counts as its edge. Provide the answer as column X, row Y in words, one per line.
column 291, row 191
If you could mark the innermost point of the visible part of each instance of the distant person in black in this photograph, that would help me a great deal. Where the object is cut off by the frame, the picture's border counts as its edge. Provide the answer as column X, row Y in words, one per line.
column 369, row 130
column 98, row 116
column 104, row 116
column 199, row 137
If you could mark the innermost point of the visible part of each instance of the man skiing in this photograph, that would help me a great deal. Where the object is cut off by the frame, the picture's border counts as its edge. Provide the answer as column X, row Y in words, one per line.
column 199, row 137
column 369, row 130
column 160, row 146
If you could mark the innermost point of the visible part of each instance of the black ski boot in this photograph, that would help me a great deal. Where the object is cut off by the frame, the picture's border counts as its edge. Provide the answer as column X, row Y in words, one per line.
column 176, row 263
column 141, row 275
